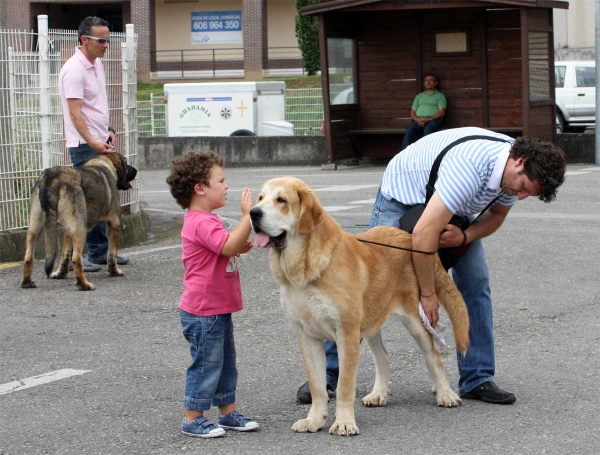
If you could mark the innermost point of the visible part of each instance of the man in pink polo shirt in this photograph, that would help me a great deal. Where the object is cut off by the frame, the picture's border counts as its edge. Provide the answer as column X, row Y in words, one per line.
column 82, row 89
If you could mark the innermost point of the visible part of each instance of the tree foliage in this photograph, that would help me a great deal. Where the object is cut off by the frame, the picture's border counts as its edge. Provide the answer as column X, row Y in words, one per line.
column 307, row 32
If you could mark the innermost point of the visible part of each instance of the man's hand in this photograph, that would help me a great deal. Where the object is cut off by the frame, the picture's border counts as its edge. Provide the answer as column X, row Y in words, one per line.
column 112, row 138
column 451, row 236
column 430, row 307
column 101, row 147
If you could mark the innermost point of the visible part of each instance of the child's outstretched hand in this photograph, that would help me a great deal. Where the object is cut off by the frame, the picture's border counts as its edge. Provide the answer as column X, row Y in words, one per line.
column 247, row 247
column 246, row 203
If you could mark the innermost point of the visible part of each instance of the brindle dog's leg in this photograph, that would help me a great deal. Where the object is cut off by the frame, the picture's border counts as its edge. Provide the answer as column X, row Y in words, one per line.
column 32, row 236
column 36, row 223
column 78, row 242
column 63, row 266
column 114, row 226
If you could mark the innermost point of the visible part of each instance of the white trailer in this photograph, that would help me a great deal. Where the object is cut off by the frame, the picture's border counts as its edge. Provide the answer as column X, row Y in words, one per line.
column 223, row 108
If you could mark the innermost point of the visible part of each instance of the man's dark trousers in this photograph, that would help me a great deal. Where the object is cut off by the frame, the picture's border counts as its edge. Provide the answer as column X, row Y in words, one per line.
column 414, row 132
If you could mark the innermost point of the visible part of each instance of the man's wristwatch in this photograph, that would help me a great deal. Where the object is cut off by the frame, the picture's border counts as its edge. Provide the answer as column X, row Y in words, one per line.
column 110, row 128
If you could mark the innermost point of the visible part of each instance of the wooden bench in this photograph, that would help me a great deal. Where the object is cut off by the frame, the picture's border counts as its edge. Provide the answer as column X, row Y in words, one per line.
column 353, row 134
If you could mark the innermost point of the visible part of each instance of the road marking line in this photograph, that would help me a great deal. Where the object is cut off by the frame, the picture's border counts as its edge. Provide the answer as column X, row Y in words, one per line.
column 571, row 173
column 337, row 188
column 8, row 265
column 166, row 211
column 595, row 169
column 45, row 378
column 366, row 201
column 153, row 250
column 337, row 208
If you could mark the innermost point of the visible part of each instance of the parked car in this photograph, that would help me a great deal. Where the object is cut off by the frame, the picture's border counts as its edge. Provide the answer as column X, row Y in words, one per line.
column 575, row 95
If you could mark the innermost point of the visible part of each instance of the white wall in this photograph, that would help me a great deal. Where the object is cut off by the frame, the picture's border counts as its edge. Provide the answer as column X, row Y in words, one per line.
column 575, row 28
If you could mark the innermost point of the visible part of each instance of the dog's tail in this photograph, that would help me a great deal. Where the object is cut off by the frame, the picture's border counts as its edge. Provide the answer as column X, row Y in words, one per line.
column 452, row 301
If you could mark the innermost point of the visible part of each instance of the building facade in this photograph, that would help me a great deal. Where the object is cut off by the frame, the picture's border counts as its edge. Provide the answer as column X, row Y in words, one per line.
column 574, row 31
column 166, row 42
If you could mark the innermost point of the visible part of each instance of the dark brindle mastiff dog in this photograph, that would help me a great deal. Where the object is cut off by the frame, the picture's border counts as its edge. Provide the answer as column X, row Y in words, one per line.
column 79, row 199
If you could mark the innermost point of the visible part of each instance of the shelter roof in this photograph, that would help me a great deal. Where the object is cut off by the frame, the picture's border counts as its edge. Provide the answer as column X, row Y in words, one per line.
column 338, row 5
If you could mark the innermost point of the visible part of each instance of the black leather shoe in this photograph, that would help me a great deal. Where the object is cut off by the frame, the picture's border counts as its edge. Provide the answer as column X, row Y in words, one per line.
column 490, row 393
column 303, row 395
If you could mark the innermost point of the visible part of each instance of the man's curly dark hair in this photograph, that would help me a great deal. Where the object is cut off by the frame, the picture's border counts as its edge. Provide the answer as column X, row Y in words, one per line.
column 544, row 162
column 189, row 171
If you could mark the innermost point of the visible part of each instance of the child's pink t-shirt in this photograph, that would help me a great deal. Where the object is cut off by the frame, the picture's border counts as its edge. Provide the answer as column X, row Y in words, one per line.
column 212, row 282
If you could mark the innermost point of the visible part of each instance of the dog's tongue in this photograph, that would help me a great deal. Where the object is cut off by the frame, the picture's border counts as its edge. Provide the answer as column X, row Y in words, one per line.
column 261, row 240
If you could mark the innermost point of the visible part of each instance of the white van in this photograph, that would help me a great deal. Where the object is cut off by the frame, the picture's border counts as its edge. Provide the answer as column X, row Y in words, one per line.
column 575, row 95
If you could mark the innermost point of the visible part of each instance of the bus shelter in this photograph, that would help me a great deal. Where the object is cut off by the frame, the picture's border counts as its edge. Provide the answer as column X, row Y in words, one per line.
column 494, row 60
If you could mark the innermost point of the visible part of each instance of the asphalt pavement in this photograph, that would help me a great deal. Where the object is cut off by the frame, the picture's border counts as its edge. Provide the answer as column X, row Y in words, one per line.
column 103, row 372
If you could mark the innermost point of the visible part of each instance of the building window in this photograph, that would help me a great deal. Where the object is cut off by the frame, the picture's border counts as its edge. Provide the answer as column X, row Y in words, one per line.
column 539, row 66
column 453, row 42
column 340, row 57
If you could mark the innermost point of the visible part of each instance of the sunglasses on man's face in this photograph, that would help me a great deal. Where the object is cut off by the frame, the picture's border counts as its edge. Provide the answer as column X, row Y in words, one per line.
column 547, row 178
column 100, row 40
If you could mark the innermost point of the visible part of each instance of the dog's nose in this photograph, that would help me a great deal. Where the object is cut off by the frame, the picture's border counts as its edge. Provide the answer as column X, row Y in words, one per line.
column 256, row 214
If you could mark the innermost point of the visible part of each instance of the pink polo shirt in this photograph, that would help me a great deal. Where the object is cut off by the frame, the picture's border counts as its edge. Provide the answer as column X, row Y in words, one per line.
column 85, row 81
column 212, row 281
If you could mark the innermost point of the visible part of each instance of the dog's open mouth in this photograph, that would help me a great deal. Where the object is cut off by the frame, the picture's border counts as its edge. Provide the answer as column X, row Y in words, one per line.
column 262, row 240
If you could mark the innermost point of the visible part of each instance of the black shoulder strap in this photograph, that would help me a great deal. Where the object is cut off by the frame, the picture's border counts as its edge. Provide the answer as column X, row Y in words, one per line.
column 430, row 187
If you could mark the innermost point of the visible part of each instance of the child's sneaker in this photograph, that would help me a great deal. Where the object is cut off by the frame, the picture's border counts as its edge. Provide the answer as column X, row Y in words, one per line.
column 201, row 428
column 237, row 421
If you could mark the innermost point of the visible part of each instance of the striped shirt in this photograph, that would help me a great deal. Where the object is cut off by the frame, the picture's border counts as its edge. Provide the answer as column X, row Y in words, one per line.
column 466, row 181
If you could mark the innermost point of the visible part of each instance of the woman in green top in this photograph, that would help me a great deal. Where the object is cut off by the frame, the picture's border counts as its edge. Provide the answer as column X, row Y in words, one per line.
column 427, row 112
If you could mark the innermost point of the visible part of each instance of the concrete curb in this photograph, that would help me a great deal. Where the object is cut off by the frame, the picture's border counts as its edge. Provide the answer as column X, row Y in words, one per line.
column 134, row 230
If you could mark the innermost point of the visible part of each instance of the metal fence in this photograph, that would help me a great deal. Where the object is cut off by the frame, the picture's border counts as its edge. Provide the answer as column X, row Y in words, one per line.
column 31, row 117
column 304, row 110
column 151, row 116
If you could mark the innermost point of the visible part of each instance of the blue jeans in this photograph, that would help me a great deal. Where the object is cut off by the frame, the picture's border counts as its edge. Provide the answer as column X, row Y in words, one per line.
column 414, row 132
column 97, row 239
column 472, row 278
column 212, row 376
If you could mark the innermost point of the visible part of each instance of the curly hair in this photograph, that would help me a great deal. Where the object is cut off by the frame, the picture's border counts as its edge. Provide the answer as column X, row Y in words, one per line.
column 189, row 171
column 544, row 162
column 85, row 28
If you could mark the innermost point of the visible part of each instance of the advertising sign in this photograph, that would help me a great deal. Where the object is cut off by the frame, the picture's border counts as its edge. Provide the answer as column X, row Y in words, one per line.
column 217, row 27
column 215, row 114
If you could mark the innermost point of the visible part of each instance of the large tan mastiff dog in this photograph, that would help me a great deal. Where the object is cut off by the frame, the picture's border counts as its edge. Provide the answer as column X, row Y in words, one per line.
column 337, row 288
column 78, row 199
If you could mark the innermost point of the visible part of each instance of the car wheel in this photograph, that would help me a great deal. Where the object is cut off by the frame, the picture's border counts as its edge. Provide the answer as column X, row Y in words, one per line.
column 561, row 125
column 242, row 133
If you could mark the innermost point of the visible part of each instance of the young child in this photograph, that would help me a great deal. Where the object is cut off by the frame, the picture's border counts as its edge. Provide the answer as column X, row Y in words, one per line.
column 212, row 292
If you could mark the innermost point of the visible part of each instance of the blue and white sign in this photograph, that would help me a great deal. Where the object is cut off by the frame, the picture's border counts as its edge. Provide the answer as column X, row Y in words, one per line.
column 217, row 27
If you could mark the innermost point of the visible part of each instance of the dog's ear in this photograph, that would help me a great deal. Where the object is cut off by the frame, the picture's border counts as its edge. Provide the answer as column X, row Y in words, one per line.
column 311, row 212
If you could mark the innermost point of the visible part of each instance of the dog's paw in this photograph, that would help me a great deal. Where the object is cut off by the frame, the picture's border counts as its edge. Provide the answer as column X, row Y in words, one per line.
column 376, row 398
column 347, row 428
column 85, row 287
column 307, row 426
column 28, row 284
column 115, row 272
column 447, row 398
column 58, row 275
